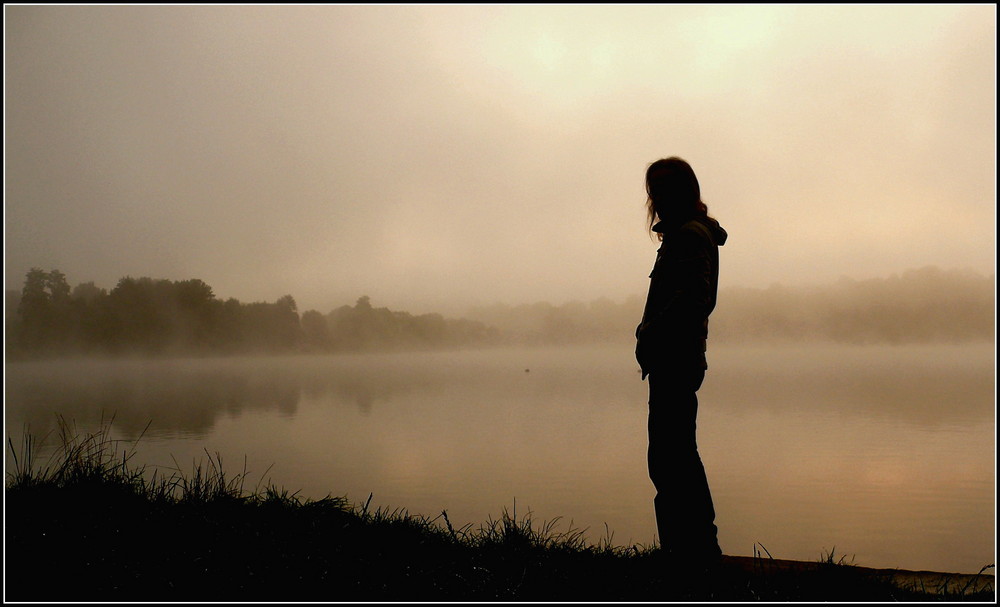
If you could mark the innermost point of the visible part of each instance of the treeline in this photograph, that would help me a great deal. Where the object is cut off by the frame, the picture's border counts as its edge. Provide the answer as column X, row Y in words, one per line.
column 162, row 317
column 919, row 306
column 570, row 323
column 364, row 328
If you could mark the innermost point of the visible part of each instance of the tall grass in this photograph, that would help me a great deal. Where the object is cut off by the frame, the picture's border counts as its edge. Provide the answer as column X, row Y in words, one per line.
column 80, row 458
column 96, row 459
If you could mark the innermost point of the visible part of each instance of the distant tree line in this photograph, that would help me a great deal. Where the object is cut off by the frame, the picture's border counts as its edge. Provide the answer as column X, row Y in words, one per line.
column 162, row 317
column 922, row 305
column 919, row 306
column 366, row 328
column 571, row 323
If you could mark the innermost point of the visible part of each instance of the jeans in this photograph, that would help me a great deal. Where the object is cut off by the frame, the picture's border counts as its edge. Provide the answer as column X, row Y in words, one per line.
column 685, row 515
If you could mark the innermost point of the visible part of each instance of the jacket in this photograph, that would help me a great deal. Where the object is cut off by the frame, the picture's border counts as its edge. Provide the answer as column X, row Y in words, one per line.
column 682, row 292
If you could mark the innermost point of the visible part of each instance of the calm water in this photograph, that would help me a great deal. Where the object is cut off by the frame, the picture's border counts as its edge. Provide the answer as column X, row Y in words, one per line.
column 884, row 454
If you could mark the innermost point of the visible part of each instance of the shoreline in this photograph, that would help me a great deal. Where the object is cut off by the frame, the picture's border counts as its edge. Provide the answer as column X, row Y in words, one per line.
column 88, row 526
column 104, row 542
column 930, row 582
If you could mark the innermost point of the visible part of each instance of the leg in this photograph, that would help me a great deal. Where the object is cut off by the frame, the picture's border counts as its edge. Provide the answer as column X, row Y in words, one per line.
column 685, row 514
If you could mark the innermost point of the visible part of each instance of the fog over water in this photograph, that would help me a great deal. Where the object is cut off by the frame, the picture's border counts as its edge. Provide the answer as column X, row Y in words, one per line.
column 439, row 157
column 884, row 452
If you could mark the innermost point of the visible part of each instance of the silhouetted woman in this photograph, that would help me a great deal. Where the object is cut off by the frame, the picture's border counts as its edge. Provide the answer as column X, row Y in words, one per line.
column 670, row 349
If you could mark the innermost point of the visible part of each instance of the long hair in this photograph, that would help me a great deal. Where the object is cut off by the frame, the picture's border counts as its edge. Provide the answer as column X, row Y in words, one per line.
column 672, row 191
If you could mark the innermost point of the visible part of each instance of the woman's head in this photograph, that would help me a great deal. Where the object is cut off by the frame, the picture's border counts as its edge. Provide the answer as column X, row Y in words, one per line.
column 672, row 190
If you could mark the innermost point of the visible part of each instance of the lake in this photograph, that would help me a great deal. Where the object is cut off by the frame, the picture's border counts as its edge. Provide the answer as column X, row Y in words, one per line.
column 878, row 453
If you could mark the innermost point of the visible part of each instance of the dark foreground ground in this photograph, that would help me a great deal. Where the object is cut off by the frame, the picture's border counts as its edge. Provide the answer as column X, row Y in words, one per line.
column 105, row 542
column 86, row 526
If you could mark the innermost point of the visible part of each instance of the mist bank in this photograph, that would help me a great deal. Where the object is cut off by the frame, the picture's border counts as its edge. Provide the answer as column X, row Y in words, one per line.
column 924, row 305
column 147, row 316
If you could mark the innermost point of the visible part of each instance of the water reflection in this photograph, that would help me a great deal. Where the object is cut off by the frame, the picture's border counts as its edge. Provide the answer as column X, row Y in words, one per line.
column 930, row 387
column 887, row 451
column 182, row 398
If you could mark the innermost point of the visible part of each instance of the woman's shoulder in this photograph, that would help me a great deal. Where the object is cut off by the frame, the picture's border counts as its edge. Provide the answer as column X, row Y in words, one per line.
column 703, row 229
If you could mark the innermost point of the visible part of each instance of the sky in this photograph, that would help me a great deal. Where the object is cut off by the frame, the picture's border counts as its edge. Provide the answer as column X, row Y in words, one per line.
column 439, row 157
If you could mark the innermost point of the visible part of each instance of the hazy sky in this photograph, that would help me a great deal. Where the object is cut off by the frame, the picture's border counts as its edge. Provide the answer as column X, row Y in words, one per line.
column 438, row 156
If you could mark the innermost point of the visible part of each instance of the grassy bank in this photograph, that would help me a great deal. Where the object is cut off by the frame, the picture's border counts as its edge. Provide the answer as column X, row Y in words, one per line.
column 88, row 525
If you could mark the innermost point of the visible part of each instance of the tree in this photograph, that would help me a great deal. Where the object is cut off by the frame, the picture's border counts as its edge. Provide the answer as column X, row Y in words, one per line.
column 88, row 293
column 315, row 332
column 195, row 313
column 287, row 302
column 45, row 314
column 287, row 330
column 58, row 288
column 140, row 313
column 35, row 311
